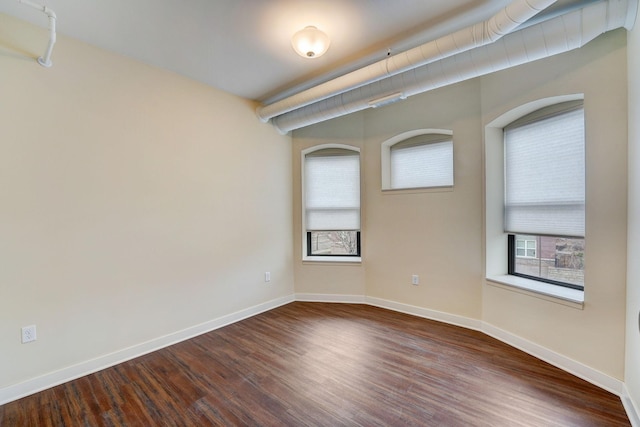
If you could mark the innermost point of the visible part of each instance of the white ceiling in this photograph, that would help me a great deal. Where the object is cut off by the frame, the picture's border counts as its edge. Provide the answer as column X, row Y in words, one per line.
column 244, row 46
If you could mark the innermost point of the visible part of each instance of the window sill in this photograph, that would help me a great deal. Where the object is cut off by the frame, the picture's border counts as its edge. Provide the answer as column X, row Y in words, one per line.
column 566, row 296
column 333, row 259
column 417, row 190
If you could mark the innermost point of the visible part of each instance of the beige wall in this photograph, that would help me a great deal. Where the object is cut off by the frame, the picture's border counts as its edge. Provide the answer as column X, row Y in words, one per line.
column 136, row 203
column 314, row 277
column 435, row 233
column 133, row 203
column 439, row 234
column 593, row 336
column 406, row 233
column 632, row 365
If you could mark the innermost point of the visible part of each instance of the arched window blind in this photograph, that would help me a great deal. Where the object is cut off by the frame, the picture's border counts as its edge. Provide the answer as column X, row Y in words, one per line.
column 332, row 190
column 422, row 161
column 545, row 172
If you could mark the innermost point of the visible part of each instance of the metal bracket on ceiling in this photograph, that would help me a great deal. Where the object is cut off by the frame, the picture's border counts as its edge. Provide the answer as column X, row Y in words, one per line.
column 45, row 60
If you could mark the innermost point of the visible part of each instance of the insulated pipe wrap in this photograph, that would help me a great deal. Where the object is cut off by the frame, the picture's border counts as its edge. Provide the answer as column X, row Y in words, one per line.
column 557, row 35
column 621, row 9
column 486, row 32
column 514, row 10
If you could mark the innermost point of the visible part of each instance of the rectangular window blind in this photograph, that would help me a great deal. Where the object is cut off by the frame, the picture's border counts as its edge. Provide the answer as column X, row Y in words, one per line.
column 423, row 165
column 545, row 176
column 332, row 192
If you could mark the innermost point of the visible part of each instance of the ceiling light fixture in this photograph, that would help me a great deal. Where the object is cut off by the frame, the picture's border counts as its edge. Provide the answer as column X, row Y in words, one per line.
column 310, row 42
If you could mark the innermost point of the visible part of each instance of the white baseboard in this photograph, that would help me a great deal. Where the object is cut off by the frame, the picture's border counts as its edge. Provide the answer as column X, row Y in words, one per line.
column 43, row 382
column 591, row 375
column 571, row 366
column 349, row 299
column 633, row 410
column 426, row 313
column 70, row 373
column 395, row 306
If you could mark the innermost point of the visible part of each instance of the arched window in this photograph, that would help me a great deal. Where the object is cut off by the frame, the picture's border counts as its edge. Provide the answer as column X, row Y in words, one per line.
column 544, row 193
column 418, row 159
column 535, row 197
column 331, row 202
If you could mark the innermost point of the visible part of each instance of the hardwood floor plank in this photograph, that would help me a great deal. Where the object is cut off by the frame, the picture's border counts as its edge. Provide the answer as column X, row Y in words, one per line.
column 317, row 364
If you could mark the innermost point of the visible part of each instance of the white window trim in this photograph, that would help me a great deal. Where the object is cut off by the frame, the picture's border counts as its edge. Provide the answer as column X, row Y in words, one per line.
column 315, row 258
column 495, row 237
column 385, row 157
column 526, row 248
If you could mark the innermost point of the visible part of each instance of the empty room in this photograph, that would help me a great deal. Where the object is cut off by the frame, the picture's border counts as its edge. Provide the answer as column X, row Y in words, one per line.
column 319, row 213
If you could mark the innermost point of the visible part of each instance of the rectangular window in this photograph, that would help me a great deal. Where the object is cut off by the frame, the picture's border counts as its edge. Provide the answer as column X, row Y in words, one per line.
column 557, row 260
column 544, row 209
column 327, row 243
column 332, row 202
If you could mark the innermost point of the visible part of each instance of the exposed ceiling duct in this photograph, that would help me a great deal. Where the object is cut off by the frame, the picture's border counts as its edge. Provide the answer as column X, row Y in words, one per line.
column 480, row 34
column 552, row 36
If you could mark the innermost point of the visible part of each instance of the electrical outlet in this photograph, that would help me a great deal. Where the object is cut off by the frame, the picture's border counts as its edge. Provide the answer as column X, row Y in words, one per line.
column 267, row 276
column 415, row 280
column 28, row 334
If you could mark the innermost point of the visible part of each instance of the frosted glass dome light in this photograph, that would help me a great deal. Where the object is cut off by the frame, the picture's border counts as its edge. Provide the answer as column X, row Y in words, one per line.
column 310, row 42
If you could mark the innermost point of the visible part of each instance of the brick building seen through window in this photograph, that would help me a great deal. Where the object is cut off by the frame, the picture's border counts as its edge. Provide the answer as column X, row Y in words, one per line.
column 554, row 258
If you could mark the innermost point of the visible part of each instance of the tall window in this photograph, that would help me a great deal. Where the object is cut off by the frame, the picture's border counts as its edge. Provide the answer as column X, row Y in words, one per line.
column 332, row 202
column 418, row 159
column 545, row 194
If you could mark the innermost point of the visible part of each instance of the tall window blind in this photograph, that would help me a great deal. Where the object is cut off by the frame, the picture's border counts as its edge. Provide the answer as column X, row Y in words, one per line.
column 332, row 190
column 545, row 173
column 423, row 161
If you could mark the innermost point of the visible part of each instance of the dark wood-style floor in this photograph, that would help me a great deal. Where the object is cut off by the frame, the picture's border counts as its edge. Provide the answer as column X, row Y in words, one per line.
column 316, row 364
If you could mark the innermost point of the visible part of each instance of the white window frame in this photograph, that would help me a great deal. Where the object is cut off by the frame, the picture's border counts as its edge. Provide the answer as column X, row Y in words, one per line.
column 325, row 259
column 495, row 237
column 526, row 246
column 385, row 156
